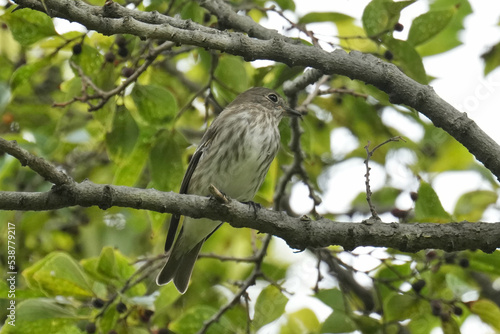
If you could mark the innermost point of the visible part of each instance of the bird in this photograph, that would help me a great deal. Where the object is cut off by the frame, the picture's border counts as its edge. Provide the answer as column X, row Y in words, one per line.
column 234, row 155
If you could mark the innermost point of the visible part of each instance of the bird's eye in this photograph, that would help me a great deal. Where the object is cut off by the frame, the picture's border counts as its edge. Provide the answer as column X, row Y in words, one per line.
column 273, row 97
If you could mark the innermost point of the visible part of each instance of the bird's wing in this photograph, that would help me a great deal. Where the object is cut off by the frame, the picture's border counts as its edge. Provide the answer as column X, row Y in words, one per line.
column 174, row 221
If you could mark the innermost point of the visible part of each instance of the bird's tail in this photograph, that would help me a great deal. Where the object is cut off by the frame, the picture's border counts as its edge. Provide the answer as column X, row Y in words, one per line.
column 185, row 251
column 179, row 268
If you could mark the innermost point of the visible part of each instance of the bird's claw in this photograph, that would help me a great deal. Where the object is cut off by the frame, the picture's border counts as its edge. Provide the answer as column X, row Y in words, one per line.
column 255, row 206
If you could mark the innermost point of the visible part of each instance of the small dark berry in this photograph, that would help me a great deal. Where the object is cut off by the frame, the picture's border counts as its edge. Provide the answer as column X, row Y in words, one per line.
column 123, row 51
column 436, row 307
column 458, row 310
column 77, row 49
column 400, row 213
column 127, row 72
column 121, row 307
column 97, row 302
column 109, row 56
column 120, row 41
column 418, row 285
column 146, row 315
column 431, row 255
column 398, row 27
column 388, row 55
column 414, row 196
column 91, row 328
column 206, row 17
column 464, row 263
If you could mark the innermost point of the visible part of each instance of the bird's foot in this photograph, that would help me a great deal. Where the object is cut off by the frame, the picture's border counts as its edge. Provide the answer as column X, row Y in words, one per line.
column 255, row 206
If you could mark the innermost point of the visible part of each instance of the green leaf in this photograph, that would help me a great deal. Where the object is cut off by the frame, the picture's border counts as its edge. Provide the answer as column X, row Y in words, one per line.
column 192, row 320
column 423, row 323
column 29, row 26
column 265, row 194
column 24, row 74
column 449, row 153
column 109, row 319
column 275, row 268
column 166, row 161
column 352, row 36
column 383, row 199
column 106, row 263
column 491, row 58
column 338, row 322
column 155, row 104
column 121, row 141
column 381, row 15
column 448, row 38
column 458, row 285
column 193, row 11
column 399, row 307
column 428, row 207
column 486, row 263
column 58, row 274
column 113, row 268
column 470, row 206
column 301, row 321
column 90, row 61
column 407, row 58
column 41, row 308
column 316, row 137
column 488, row 311
column 334, row 17
column 450, row 327
column 333, row 298
column 129, row 171
column 168, row 295
column 429, row 24
column 231, row 71
column 286, row 4
column 270, row 306
column 369, row 325
column 41, row 316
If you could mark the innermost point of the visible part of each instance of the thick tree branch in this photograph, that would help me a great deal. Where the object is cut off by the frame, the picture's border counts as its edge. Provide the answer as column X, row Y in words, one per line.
column 299, row 233
column 114, row 19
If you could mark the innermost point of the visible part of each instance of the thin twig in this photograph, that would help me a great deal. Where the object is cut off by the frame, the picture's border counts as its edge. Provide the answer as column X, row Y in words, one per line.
column 142, row 273
column 311, row 96
column 297, row 168
column 343, row 91
column 257, row 272
column 104, row 96
column 367, row 175
column 228, row 258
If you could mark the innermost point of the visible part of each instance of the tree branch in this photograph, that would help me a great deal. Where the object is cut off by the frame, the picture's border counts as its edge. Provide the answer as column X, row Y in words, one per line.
column 296, row 232
column 299, row 233
column 114, row 19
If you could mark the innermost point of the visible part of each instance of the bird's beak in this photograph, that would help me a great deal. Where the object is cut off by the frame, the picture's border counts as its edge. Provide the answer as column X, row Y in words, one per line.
column 292, row 112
